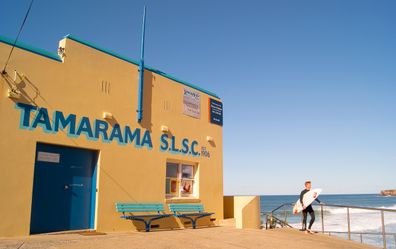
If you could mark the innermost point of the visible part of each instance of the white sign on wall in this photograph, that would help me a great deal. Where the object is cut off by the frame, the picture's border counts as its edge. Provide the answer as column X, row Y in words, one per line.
column 48, row 157
column 192, row 103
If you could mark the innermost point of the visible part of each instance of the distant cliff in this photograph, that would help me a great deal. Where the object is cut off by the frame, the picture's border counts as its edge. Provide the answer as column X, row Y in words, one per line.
column 388, row 192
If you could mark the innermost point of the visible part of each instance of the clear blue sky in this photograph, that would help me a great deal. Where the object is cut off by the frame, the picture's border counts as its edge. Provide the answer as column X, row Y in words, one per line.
column 309, row 86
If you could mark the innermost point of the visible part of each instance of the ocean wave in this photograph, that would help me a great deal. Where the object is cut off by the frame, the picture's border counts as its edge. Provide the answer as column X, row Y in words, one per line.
column 338, row 210
column 361, row 220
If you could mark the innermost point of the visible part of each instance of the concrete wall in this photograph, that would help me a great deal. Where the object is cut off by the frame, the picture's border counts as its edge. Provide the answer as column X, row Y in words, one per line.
column 244, row 209
column 87, row 83
column 229, row 207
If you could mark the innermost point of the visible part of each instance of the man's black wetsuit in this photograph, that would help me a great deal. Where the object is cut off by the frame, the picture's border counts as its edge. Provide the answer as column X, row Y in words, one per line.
column 307, row 210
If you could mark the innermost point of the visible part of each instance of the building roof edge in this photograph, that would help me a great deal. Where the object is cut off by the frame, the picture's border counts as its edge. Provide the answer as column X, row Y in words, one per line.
column 154, row 70
column 35, row 50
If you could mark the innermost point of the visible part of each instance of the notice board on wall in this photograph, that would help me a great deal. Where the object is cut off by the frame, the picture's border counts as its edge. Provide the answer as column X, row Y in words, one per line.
column 215, row 112
column 192, row 103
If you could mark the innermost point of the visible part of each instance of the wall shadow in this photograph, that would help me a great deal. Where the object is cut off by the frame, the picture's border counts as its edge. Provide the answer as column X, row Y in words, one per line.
column 201, row 223
column 212, row 143
column 147, row 100
column 112, row 121
column 168, row 223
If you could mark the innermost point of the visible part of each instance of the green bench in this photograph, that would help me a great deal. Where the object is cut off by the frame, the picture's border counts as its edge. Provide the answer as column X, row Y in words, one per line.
column 192, row 212
column 128, row 211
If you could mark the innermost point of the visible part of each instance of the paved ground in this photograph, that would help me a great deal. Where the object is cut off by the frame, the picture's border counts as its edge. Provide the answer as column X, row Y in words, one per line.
column 215, row 237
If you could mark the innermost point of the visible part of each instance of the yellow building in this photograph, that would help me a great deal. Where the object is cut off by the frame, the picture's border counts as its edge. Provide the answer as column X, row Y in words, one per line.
column 71, row 146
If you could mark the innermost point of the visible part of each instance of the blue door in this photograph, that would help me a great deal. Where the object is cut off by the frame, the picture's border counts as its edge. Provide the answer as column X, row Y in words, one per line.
column 64, row 189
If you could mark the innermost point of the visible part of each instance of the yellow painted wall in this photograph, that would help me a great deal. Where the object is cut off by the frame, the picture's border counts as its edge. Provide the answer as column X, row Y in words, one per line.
column 126, row 173
column 244, row 209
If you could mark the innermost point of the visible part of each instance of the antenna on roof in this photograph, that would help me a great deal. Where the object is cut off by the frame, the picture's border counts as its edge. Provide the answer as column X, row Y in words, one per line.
column 20, row 30
column 141, row 71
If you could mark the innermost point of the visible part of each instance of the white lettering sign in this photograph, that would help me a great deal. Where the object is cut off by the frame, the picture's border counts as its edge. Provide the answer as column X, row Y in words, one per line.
column 48, row 157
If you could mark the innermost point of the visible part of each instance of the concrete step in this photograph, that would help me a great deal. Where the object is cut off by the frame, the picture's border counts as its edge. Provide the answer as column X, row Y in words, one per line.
column 227, row 222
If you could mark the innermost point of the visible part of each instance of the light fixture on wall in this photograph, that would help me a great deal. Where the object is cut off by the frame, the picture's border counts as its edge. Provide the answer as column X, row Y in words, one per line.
column 164, row 128
column 107, row 115
column 14, row 94
column 21, row 77
column 209, row 139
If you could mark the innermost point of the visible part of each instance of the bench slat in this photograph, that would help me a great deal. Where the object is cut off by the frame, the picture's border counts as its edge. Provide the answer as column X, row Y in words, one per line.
column 140, row 204
column 137, row 211
column 181, row 208
column 139, row 207
column 186, row 207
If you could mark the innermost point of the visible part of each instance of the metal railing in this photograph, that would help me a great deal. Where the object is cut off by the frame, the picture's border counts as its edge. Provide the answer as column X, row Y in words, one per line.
column 272, row 220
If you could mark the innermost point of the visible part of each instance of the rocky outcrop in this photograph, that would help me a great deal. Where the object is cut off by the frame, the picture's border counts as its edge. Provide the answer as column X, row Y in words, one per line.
column 391, row 192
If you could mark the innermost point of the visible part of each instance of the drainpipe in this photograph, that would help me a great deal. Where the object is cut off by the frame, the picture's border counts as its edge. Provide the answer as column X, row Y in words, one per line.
column 141, row 71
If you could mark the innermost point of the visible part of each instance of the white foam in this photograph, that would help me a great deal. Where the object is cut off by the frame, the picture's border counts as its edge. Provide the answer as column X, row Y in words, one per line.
column 335, row 219
column 361, row 220
column 333, row 210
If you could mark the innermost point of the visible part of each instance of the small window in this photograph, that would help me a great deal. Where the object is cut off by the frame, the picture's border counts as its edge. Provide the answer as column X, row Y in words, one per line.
column 171, row 170
column 180, row 180
column 187, row 171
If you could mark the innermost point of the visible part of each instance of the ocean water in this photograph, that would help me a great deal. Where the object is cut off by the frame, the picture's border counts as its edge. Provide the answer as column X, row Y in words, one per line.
column 335, row 218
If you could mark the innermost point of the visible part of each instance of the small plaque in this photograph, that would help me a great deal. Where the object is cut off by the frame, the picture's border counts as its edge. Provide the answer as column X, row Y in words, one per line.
column 192, row 103
column 48, row 157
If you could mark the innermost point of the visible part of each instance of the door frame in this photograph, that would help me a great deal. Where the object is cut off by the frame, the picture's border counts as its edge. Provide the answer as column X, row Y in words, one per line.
column 94, row 183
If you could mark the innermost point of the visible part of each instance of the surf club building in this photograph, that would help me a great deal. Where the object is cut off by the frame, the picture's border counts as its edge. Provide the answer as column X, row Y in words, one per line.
column 71, row 145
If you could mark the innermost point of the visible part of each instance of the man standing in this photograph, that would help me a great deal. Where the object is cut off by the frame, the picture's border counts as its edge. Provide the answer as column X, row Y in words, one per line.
column 307, row 209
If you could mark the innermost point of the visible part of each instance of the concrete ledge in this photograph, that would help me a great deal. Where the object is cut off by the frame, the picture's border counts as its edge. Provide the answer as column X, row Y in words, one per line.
column 244, row 209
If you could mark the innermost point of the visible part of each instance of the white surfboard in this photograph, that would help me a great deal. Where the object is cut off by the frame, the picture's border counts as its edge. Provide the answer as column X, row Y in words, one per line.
column 308, row 198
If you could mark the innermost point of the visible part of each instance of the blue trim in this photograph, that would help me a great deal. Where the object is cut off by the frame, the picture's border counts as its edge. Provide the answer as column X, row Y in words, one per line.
column 106, row 51
column 93, row 193
column 181, row 81
column 56, row 57
column 32, row 49
column 121, row 57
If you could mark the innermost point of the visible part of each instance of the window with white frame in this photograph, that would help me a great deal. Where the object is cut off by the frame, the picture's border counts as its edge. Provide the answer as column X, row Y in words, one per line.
column 180, row 180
